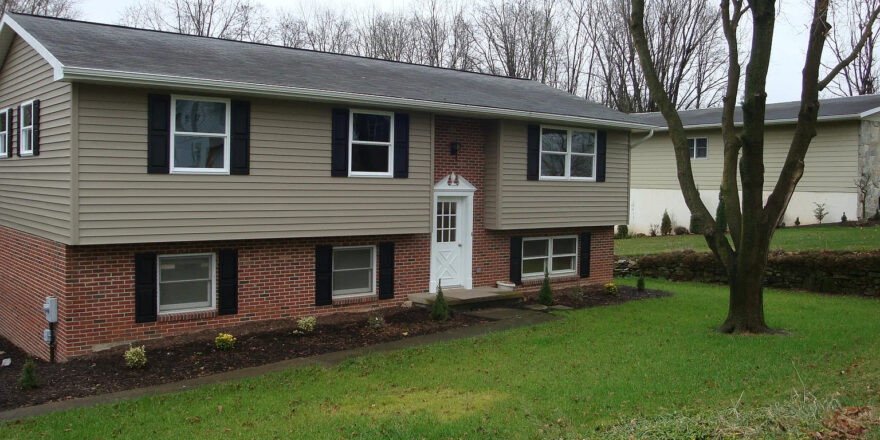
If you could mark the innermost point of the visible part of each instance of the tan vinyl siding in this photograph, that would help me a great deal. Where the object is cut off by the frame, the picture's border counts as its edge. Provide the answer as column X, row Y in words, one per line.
column 831, row 163
column 289, row 192
column 526, row 204
column 35, row 191
column 490, row 178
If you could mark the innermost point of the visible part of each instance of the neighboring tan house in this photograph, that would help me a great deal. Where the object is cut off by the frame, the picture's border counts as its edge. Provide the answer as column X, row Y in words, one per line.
column 847, row 144
column 158, row 184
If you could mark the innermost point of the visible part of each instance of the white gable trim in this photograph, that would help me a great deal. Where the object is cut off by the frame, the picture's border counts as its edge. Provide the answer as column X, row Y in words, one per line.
column 453, row 183
column 9, row 28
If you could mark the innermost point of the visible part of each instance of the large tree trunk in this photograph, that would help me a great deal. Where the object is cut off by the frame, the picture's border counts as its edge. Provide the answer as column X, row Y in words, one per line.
column 746, row 311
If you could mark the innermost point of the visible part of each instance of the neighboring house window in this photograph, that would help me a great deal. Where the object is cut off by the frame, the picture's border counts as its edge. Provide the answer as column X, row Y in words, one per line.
column 699, row 147
column 555, row 255
column 568, row 154
column 26, row 122
column 186, row 282
column 354, row 270
column 4, row 134
column 371, row 145
column 200, row 135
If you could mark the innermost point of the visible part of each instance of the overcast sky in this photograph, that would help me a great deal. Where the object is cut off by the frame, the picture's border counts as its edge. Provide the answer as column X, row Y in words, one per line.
column 783, row 84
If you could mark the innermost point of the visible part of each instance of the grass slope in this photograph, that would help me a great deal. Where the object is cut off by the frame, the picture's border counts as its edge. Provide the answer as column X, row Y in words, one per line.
column 566, row 379
column 791, row 239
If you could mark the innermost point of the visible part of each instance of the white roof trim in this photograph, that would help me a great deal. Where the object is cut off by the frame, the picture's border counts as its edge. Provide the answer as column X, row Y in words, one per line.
column 71, row 73
column 870, row 112
column 10, row 23
column 776, row 121
column 454, row 183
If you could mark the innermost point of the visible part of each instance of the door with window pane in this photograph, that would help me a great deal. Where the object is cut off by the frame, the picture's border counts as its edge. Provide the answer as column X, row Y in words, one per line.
column 449, row 236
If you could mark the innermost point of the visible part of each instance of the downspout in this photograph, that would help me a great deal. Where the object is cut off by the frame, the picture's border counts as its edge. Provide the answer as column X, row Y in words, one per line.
column 643, row 140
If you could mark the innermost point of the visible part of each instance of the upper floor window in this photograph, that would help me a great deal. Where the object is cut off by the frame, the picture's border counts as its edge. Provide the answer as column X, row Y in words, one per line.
column 200, row 135
column 4, row 133
column 371, row 144
column 26, row 122
column 568, row 154
column 699, row 147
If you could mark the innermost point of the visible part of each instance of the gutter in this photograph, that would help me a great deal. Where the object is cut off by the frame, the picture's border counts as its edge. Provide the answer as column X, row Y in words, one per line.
column 847, row 117
column 70, row 73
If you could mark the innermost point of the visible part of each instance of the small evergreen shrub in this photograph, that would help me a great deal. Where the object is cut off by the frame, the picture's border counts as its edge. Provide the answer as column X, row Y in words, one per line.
column 376, row 321
column 696, row 226
column 440, row 309
column 225, row 341
column 843, row 218
column 611, row 289
column 721, row 215
column 819, row 212
column 306, row 324
column 797, row 221
column 622, row 231
column 135, row 357
column 28, row 378
column 681, row 230
column 666, row 224
column 640, row 284
column 546, row 295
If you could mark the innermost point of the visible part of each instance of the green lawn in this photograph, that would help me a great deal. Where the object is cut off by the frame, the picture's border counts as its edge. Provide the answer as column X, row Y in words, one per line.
column 571, row 378
column 791, row 239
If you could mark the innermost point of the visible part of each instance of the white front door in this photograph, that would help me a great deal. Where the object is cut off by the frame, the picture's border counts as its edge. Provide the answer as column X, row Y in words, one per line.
column 451, row 234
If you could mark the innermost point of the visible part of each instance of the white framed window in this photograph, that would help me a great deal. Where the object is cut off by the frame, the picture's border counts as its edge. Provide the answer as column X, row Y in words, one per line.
column 26, row 122
column 4, row 133
column 698, row 147
column 200, row 135
column 554, row 255
column 371, row 143
column 354, row 270
column 186, row 282
column 567, row 154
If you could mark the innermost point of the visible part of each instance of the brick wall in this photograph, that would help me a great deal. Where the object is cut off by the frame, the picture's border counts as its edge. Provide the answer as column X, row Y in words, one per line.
column 276, row 280
column 491, row 248
column 31, row 268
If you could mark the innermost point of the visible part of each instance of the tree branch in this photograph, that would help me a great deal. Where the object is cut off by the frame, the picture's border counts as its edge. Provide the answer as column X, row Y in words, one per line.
column 866, row 34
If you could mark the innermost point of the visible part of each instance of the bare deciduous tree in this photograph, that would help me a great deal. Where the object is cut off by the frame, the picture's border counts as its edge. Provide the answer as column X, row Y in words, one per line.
column 389, row 36
column 518, row 38
column 752, row 222
column 233, row 19
column 50, row 8
column 850, row 20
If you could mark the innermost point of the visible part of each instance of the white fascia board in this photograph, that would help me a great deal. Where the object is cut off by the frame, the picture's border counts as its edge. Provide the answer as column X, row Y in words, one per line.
column 771, row 122
column 71, row 73
column 870, row 112
column 10, row 22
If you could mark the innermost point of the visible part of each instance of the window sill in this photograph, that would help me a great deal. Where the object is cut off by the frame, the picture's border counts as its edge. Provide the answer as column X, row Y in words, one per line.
column 186, row 316
column 557, row 278
column 197, row 172
column 355, row 299
column 566, row 179
column 26, row 154
column 379, row 175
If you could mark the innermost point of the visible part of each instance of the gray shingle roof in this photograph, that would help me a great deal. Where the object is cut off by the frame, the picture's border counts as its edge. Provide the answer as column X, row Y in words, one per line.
column 119, row 49
column 778, row 112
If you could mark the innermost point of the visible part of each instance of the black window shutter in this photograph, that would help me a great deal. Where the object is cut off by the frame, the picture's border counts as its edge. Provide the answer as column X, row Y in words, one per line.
column 516, row 260
column 35, row 131
column 18, row 130
column 386, row 270
column 586, row 247
column 401, row 145
column 323, row 275
column 227, row 290
column 158, row 134
column 533, row 152
column 601, row 139
column 10, row 122
column 240, row 143
column 145, row 299
column 339, row 145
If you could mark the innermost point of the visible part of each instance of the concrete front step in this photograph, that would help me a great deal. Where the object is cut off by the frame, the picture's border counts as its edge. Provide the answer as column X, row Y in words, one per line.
column 469, row 298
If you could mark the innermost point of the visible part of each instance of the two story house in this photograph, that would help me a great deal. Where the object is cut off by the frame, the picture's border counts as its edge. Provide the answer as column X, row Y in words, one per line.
column 157, row 183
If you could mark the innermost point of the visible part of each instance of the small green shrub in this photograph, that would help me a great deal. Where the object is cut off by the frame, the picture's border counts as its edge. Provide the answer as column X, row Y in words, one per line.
column 28, row 378
column 622, row 231
column 876, row 215
column 721, row 215
column 819, row 212
column 225, row 341
column 306, row 324
column 640, row 284
column 440, row 309
column 843, row 218
column 653, row 230
column 611, row 289
column 681, row 230
column 376, row 321
column 696, row 226
column 665, row 224
column 797, row 221
column 135, row 357
column 545, row 296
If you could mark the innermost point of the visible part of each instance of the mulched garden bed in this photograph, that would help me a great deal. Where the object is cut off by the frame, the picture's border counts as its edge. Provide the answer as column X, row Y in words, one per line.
column 194, row 355
column 594, row 296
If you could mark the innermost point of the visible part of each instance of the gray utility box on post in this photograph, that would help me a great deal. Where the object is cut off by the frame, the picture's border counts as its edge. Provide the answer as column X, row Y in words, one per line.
column 50, row 307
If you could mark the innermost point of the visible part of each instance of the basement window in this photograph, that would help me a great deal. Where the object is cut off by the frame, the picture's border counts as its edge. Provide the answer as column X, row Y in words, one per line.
column 354, row 270
column 186, row 282
column 554, row 255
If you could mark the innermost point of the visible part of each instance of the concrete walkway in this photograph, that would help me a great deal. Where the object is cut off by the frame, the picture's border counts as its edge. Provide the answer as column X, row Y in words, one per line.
column 503, row 319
